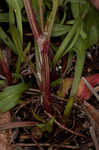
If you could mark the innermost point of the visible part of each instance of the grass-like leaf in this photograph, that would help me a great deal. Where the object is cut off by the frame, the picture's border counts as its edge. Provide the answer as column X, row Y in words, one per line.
column 92, row 27
column 80, row 51
column 5, row 38
column 17, row 9
column 17, row 41
column 10, row 96
column 59, row 30
column 66, row 41
column 4, row 17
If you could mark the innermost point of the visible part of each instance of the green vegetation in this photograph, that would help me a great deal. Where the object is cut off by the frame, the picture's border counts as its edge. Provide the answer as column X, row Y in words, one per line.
column 59, row 29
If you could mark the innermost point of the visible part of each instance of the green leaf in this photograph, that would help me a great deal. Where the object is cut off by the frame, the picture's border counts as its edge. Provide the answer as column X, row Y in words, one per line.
column 59, row 30
column 17, row 41
column 80, row 50
column 10, row 96
column 21, row 4
column 5, row 38
column 69, row 61
column 66, row 41
column 56, row 82
column 16, row 6
column 37, row 117
column 73, row 42
column 27, row 48
column 17, row 76
column 11, row 3
column 75, row 7
column 35, row 5
column 91, row 27
column 51, row 18
column 4, row 17
column 78, row 7
column 64, row 17
column 47, row 126
column 93, row 36
column 16, row 36
column 18, row 18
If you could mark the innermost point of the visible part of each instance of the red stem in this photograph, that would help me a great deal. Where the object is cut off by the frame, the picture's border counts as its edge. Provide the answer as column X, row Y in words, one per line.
column 46, row 82
column 43, row 45
column 6, row 71
column 31, row 18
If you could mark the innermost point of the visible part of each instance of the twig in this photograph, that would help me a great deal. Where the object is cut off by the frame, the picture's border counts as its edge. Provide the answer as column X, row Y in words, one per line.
column 53, row 95
column 90, row 88
column 47, row 145
column 92, row 132
column 63, row 127
column 20, row 124
column 93, row 115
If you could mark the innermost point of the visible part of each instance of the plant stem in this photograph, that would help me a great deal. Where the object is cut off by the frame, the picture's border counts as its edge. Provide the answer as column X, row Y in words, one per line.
column 67, row 110
column 51, row 19
column 46, row 82
column 42, row 59
column 40, row 2
column 31, row 18
column 5, row 68
column 44, row 72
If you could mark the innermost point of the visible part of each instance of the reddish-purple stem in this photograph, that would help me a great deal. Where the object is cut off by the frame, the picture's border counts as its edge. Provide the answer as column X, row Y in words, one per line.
column 6, row 71
column 43, row 45
column 32, row 19
column 46, row 82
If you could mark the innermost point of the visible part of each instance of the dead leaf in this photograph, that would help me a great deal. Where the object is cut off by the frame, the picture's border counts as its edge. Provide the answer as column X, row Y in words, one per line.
column 5, row 135
column 95, row 3
column 83, row 91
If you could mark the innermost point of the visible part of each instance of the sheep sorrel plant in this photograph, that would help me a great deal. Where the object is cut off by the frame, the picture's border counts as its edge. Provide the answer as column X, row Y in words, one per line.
column 42, row 39
column 62, row 30
column 77, row 40
column 49, row 71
